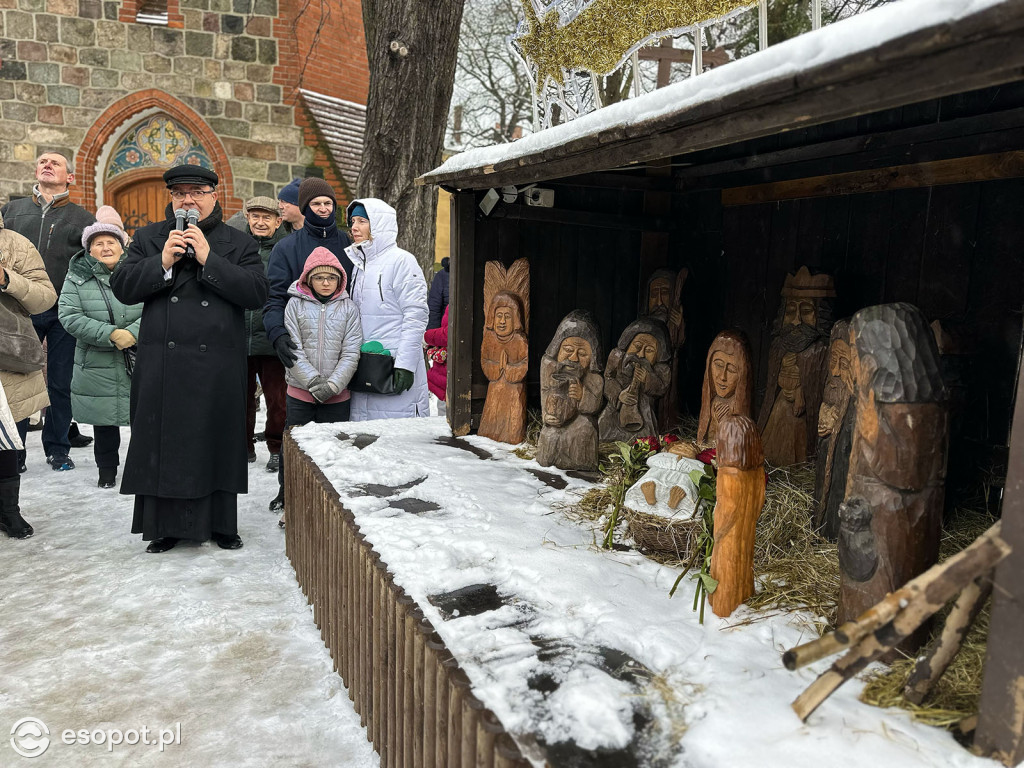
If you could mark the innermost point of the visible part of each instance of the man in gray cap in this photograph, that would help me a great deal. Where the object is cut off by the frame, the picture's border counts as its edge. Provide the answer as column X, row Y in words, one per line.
column 186, row 461
column 264, row 225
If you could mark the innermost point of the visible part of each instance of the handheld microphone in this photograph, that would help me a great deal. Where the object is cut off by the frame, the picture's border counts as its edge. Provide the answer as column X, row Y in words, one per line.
column 179, row 218
column 182, row 219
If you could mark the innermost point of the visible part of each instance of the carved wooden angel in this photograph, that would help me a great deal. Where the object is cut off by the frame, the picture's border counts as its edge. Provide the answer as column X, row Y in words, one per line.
column 504, row 352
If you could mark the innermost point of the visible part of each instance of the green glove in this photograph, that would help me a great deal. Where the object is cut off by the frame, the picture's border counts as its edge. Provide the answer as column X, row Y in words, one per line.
column 403, row 380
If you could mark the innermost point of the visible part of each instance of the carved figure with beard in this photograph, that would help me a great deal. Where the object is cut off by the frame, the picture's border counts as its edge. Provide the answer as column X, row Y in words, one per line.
column 637, row 374
column 835, row 432
column 898, row 457
column 796, row 360
column 728, row 384
column 571, row 394
column 663, row 300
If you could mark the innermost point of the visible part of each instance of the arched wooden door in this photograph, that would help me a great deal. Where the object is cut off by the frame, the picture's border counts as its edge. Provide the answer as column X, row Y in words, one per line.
column 140, row 202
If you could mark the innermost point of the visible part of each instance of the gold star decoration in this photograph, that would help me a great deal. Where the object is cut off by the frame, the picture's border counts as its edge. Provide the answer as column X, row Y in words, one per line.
column 601, row 34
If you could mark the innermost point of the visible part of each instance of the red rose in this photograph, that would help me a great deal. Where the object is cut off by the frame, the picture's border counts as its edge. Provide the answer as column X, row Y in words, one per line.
column 650, row 442
column 707, row 456
column 667, row 440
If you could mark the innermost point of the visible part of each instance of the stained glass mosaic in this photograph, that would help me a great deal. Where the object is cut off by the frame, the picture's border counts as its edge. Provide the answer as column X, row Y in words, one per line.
column 159, row 141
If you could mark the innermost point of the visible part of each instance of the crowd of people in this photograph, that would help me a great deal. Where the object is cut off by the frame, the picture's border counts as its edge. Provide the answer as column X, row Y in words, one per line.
column 177, row 331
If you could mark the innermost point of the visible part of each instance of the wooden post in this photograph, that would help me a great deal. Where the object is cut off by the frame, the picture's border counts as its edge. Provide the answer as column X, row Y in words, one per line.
column 1000, row 730
column 460, row 314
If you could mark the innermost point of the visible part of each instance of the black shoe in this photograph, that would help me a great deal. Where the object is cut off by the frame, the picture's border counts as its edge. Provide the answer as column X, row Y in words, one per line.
column 60, row 463
column 108, row 477
column 278, row 502
column 259, row 437
column 76, row 438
column 225, row 541
column 162, row 544
column 274, row 462
column 280, row 523
column 22, row 469
column 14, row 525
column 252, row 455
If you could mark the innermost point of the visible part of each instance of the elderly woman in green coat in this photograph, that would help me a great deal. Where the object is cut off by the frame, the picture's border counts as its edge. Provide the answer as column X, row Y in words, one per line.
column 104, row 328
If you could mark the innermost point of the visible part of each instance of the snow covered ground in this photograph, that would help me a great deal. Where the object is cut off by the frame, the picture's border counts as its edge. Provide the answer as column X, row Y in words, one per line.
column 576, row 648
column 97, row 635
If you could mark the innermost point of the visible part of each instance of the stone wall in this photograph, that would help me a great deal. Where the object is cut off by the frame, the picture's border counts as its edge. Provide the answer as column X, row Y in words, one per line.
column 66, row 63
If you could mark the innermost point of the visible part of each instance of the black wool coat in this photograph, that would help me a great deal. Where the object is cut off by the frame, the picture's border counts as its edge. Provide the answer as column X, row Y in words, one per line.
column 188, row 389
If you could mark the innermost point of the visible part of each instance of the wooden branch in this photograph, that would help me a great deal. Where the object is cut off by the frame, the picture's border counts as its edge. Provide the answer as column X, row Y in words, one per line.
column 909, row 606
column 930, row 667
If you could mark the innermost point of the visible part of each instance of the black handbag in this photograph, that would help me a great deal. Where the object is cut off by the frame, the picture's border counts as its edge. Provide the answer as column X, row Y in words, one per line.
column 375, row 374
column 20, row 348
column 130, row 352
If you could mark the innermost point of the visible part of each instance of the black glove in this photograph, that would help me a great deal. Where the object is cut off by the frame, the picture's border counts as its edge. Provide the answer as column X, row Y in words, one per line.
column 403, row 380
column 283, row 346
column 321, row 389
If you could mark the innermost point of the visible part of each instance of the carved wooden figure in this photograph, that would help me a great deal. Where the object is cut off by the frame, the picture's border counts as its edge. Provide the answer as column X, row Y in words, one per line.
column 738, row 504
column 664, row 300
column 835, row 432
column 637, row 374
column 891, row 519
column 728, row 384
column 796, row 368
column 504, row 352
column 571, row 394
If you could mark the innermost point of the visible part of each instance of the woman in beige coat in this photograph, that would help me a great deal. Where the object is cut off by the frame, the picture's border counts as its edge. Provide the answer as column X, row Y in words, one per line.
column 22, row 278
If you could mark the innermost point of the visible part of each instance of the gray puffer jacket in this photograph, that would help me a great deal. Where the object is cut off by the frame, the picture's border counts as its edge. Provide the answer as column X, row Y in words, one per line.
column 329, row 334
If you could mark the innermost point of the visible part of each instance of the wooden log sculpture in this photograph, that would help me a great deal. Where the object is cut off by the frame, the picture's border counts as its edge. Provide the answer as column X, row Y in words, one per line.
column 740, row 498
column 504, row 352
column 796, row 366
column 728, row 384
column 891, row 519
column 637, row 374
column 835, row 433
column 571, row 395
column 663, row 300
column 885, row 625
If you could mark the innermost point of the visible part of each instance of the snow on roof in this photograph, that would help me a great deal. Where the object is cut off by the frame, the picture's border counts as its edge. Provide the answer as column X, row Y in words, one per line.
column 863, row 35
column 342, row 124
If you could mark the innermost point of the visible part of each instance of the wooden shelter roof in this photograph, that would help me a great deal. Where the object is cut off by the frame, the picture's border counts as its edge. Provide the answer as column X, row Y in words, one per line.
column 844, row 71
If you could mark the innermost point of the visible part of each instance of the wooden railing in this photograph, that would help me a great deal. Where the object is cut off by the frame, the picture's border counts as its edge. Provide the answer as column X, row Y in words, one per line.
column 415, row 702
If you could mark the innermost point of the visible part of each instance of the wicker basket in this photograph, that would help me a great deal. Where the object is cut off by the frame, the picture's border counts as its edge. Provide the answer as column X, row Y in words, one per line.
column 675, row 538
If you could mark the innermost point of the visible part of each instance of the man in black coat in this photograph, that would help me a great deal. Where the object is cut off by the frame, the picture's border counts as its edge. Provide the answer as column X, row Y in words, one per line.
column 187, row 457
column 54, row 225
column 318, row 204
column 437, row 299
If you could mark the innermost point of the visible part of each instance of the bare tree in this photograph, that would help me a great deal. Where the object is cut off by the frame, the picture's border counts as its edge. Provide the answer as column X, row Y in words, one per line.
column 492, row 101
column 411, row 49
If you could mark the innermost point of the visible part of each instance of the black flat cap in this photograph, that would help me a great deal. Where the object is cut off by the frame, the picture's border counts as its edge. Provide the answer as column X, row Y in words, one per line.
column 190, row 174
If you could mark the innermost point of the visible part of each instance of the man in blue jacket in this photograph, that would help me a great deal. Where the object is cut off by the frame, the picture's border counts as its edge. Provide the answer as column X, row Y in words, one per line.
column 318, row 205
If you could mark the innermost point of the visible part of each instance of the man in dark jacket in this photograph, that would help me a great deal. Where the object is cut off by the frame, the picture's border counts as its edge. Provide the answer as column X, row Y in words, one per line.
column 318, row 204
column 54, row 225
column 264, row 225
column 437, row 299
column 186, row 460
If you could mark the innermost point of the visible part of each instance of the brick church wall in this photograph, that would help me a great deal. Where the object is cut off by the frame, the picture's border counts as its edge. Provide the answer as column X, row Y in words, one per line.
column 65, row 63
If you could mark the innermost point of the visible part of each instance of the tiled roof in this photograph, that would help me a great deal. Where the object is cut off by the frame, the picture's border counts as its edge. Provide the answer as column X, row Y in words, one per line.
column 341, row 123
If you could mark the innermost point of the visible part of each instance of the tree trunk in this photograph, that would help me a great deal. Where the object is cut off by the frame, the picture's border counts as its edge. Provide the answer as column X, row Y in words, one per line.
column 411, row 50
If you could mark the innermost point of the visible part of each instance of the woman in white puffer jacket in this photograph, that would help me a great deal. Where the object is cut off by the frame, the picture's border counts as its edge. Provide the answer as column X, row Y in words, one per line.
column 389, row 288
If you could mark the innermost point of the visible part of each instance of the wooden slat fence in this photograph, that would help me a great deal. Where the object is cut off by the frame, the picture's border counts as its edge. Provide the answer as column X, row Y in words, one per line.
column 414, row 700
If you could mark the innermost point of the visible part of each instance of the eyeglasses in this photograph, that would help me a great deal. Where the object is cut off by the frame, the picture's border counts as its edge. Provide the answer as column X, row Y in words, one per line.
column 197, row 194
column 325, row 278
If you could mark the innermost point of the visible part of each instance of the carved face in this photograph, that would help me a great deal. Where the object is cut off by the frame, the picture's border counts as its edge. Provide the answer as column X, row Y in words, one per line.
column 660, row 294
column 800, row 312
column 644, row 345
column 577, row 350
column 840, row 364
column 725, row 373
column 503, row 322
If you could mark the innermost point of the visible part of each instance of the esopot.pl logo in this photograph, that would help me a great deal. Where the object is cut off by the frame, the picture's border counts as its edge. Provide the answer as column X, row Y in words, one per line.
column 30, row 737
